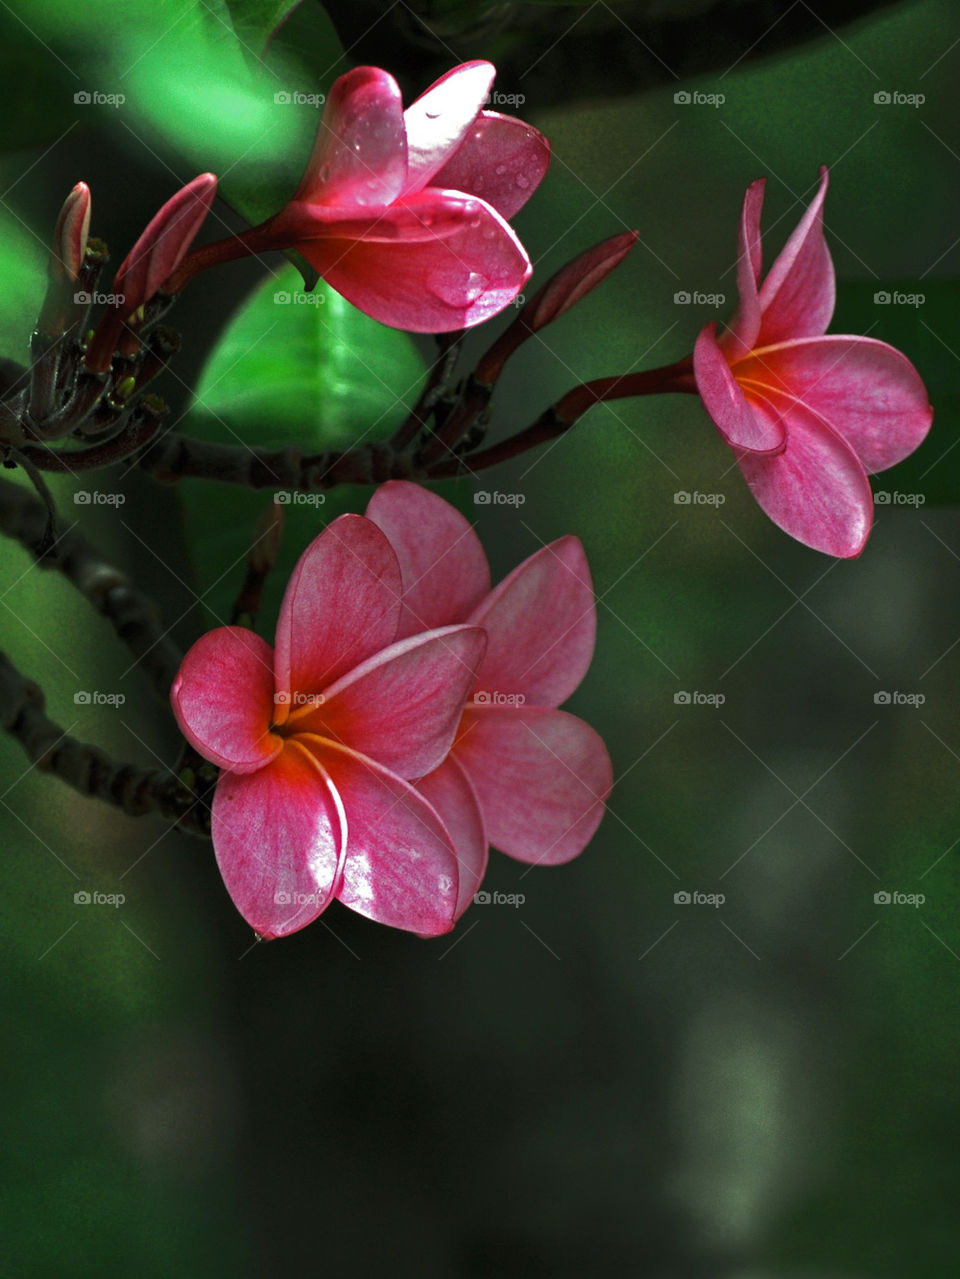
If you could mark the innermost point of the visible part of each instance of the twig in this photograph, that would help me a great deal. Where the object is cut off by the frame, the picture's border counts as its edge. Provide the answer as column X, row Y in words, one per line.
column 133, row 615
column 88, row 769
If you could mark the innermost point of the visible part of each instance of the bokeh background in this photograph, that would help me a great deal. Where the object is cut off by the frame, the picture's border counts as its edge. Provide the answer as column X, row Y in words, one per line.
column 601, row 1081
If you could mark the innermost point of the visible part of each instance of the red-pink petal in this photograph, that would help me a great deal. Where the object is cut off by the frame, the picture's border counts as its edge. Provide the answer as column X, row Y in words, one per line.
column 431, row 287
column 402, row 706
column 542, row 778
column 444, row 568
column 541, row 624
column 869, row 392
column 438, row 120
column 424, row 216
column 450, row 791
column 164, row 243
column 732, row 413
column 745, row 325
column 797, row 297
column 501, row 159
column 341, row 605
column 279, row 837
column 360, row 155
column 816, row 489
column 400, row 868
column 223, row 699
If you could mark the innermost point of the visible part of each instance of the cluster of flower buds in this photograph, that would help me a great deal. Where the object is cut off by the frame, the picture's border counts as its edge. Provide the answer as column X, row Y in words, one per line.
column 87, row 385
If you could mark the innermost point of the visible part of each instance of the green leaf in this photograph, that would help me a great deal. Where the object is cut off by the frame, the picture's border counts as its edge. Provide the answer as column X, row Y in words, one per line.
column 255, row 21
column 310, row 370
column 23, row 271
column 239, row 111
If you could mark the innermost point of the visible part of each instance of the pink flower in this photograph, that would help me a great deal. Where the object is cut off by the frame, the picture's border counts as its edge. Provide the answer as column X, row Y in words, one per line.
column 404, row 212
column 528, row 778
column 316, row 740
column 806, row 414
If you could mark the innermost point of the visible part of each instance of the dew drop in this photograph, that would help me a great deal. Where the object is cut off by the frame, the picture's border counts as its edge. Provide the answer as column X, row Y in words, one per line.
column 455, row 286
column 325, row 173
column 500, row 170
column 522, row 181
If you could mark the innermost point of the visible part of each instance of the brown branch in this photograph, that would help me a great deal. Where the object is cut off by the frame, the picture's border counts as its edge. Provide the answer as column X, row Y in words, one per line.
column 177, row 456
column 133, row 615
column 89, row 770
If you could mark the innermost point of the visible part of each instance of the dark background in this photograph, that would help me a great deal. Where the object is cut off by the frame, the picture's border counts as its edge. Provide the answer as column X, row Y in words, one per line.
column 600, row 1081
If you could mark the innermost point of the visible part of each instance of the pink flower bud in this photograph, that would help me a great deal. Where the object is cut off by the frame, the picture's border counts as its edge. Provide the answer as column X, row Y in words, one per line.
column 163, row 245
column 70, row 234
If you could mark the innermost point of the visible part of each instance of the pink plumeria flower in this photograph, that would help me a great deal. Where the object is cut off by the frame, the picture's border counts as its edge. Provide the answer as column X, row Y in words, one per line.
column 808, row 415
column 523, row 776
column 405, row 212
column 316, row 740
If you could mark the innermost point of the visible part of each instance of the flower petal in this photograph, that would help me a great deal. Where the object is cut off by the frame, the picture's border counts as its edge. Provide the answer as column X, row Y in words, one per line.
column 400, row 868
column 816, row 489
column 341, row 605
column 450, row 791
column 542, row 778
column 443, row 566
column 438, row 120
column 541, row 622
column 223, row 699
column 869, row 392
column 424, row 216
column 732, row 413
column 500, row 159
column 798, row 295
column 745, row 325
column 402, row 706
column 279, row 837
column 436, row 286
column 359, row 158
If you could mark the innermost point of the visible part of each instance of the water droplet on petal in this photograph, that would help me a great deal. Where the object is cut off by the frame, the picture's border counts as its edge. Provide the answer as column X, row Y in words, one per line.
column 325, row 173
column 456, row 286
column 522, row 181
column 500, row 170
column 478, row 182
column 431, row 115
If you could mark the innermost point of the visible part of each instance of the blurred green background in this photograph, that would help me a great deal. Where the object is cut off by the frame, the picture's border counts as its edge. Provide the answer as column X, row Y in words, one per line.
column 601, row 1081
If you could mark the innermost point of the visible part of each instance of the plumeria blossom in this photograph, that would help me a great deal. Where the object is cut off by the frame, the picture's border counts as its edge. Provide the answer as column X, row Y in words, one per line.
column 318, row 737
column 405, row 212
column 807, row 414
column 523, row 776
